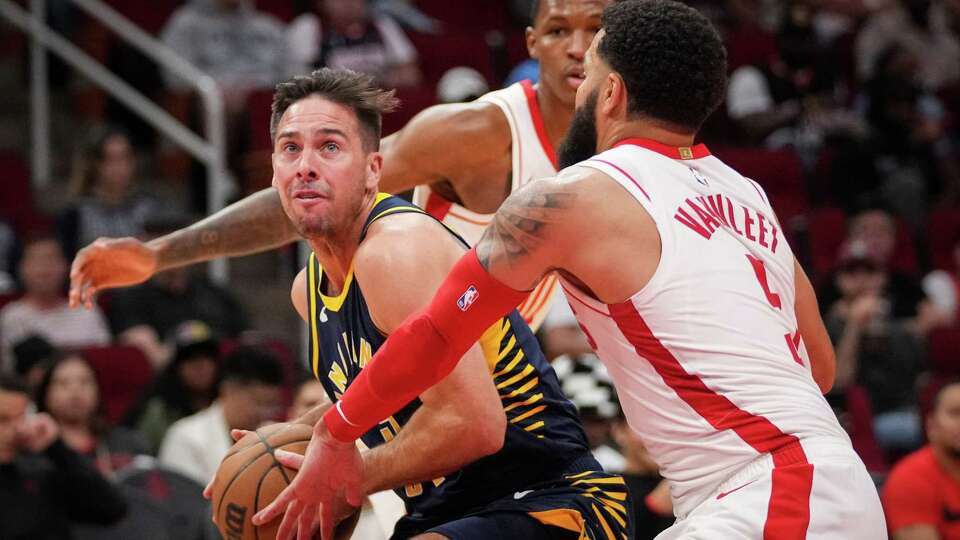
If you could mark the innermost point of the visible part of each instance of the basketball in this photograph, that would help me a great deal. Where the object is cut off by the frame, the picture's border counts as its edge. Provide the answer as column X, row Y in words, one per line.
column 250, row 478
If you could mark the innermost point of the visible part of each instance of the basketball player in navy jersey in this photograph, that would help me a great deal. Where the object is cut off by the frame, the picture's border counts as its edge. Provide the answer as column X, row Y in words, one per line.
column 494, row 451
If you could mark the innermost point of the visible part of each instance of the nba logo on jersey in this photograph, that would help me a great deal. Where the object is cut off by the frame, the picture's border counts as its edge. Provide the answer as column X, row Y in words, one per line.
column 468, row 298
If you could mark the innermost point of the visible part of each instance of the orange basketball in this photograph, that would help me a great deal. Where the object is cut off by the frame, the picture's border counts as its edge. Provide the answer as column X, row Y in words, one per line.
column 250, row 478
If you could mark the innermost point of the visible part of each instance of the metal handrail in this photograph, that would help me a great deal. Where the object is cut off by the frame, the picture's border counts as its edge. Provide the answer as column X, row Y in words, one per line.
column 210, row 150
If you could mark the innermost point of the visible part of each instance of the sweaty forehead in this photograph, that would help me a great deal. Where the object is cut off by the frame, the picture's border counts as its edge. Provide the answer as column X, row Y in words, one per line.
column 313, row 113
column 568, row 8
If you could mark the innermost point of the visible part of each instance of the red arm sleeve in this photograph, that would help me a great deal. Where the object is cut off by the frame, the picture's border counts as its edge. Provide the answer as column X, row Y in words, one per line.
column 424, row 349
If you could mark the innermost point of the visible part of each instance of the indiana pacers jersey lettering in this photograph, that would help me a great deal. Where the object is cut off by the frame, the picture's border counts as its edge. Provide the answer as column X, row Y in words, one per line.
column 543, row 433
column 533, row 157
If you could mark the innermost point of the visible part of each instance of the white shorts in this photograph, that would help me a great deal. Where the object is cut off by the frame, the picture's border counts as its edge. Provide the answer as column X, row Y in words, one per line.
column 822, row 493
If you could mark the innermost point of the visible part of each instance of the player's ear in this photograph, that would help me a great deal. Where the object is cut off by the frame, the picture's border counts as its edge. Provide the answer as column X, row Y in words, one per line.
column 531, row 37
column 374, row 167
column 613, row 95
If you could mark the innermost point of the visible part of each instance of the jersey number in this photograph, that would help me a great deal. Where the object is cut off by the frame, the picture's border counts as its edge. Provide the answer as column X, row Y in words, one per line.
column 760, row 270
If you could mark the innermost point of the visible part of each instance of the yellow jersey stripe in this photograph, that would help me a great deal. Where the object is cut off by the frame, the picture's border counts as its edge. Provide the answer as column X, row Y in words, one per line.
column 527, row 370
column 615, row 505
column 536, row 425
column 312, row 300
column 620, row 520
column 603, row 523
column 580, row 475
column 533, row 382
column 529, row 401
column 617, row 495
column 395, row 209
column 334, row 303
column 528, row 414
column 505, row 327
column 506, row 350
column 610, row 480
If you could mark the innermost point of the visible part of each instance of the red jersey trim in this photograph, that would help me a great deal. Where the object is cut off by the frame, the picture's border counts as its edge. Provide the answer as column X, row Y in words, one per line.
column 537, row 118
column 437, row 206
column 788, row 514
column 673, row 152
column 625, row 173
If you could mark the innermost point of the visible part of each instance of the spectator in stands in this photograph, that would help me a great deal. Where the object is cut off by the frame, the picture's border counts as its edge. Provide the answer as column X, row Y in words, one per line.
column 921, row 497
column 652, row 505
column 240, row 47
column 309, row 394
column 585, row 382
column 44, row 485
column 145, row 316
column 942, row 287
column 43, row 309
column 69, row 392
column 877, row 348
column 914, row 157
column 560, row 333
column 249, row 395
column 351, row 37
column 461, row 85
column 8, row 242
column 186, row 386
column 794, row 99
column 920, row 27
column 32, row 358
column 106, row 201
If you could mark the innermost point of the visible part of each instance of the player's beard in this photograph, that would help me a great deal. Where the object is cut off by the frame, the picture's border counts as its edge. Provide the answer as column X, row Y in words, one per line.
column 580, row 143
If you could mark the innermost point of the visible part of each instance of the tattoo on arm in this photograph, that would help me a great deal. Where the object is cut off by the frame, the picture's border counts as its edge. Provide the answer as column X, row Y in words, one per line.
column 256, row 223
column 521, row 225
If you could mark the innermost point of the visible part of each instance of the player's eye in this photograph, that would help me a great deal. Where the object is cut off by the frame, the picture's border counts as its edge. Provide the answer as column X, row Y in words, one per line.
column 558, row 32
column 290, row 147
column 331, row 147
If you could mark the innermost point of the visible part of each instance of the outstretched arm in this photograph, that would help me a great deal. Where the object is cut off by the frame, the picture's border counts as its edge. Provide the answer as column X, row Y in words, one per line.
column 256, row 223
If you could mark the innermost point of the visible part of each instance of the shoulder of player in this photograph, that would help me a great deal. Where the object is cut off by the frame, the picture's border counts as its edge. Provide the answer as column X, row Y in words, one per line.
column 479, row 126
column 405, row 243
column 575, row 188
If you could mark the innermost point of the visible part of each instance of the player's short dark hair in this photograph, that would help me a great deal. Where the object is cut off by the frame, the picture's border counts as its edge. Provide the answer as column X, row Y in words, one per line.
column 670, row 57
column 251, row 365
column 9, row 383
column 534, row 11
column 357, row 91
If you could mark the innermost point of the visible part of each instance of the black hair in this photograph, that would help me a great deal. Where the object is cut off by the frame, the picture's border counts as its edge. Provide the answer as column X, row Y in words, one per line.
column 97, row 422
column 534, row 11
column 249, row 365
column 357, row 91
column 89, row 154
column 9, row 383
column 670, row 57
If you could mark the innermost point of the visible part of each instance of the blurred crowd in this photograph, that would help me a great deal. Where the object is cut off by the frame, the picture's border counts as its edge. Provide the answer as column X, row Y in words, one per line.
column 846, row 111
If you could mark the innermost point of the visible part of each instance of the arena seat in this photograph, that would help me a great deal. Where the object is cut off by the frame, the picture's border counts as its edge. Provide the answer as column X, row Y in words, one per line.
column 826, row 230
column 123, row 373
column 861, row 429
column 780, row 174
column 943, row 230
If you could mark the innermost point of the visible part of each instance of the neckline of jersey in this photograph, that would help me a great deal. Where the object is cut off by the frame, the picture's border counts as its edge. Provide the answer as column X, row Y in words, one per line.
column 697, row 151
column 534, row 107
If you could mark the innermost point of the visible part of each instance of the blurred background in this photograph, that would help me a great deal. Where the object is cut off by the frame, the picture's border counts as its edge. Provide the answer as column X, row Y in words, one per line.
column 846, row 111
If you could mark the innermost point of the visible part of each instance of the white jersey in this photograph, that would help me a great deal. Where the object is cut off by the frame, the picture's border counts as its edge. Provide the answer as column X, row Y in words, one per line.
column 533, row 158
column 707, row 358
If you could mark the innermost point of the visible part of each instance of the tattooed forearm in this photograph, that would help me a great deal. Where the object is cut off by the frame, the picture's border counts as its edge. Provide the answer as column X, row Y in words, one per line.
column 524, row 224
column 256, row 223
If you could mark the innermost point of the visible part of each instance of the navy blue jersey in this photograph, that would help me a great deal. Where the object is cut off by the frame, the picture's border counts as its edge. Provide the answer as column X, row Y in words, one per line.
column 543, row 434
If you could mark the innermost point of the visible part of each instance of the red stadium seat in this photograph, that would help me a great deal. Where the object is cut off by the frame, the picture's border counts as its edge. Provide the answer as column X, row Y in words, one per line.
column 412, row 101
column 461, row 15
column 780, row 174
column 943, row 345
column 281, row 9
column 151, row 16
column 16, row 196
column 943, row 231
column 861, row 429
column 123, row 373
column 440, row 53
column 827, row 228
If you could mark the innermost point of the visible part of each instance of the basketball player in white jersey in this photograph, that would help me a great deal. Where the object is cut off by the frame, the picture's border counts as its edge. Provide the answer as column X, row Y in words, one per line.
column 678, row 271
column 463, row 159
